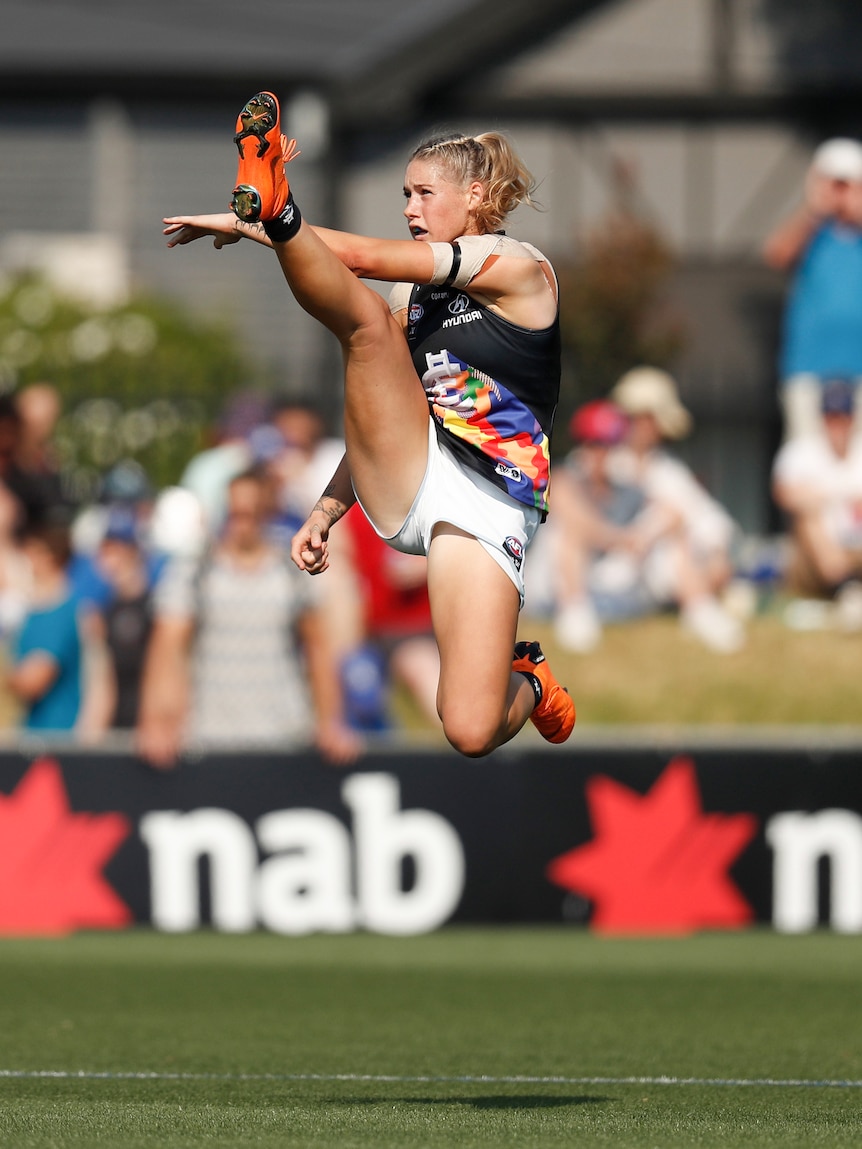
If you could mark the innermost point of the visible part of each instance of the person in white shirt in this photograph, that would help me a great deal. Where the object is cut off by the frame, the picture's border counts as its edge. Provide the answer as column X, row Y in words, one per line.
column 239, row 655
column 704, row 567
column 817, row 483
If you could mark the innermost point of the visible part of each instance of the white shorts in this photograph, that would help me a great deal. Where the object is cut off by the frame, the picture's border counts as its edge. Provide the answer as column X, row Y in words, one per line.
column 453, row 494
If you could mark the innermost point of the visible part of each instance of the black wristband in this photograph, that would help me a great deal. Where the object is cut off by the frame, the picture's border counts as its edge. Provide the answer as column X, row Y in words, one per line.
column 286, row 225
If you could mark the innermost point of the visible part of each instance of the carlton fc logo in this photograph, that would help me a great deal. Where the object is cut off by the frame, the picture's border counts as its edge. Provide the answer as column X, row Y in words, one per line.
column 459, row 304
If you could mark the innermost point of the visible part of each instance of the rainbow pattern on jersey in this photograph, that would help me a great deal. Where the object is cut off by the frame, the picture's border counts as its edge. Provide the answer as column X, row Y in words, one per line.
column 481, row 412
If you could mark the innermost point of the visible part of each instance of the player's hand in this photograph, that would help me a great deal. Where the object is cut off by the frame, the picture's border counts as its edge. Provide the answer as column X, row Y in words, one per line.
column 309, row 548
column 183, row 229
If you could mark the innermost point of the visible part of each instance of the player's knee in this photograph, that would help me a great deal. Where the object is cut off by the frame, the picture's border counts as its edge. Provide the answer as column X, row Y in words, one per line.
column 470, row 736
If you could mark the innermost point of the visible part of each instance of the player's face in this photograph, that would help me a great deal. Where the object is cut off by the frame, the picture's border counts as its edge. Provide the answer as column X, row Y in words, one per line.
column 439, row 210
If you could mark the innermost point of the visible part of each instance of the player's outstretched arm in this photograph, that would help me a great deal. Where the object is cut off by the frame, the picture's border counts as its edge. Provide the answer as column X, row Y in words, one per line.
column 389, row 261
column 224, row 227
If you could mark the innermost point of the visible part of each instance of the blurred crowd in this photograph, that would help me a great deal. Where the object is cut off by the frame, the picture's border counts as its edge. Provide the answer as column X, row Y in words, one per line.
column 634, row 531
column 176, row 619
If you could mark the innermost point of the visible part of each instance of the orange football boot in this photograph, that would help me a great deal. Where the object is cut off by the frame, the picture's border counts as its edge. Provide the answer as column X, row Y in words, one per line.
column 554, row 714
column 262, row 189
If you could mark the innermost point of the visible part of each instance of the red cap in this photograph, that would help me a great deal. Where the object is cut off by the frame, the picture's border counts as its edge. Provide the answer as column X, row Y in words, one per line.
column 598, row 422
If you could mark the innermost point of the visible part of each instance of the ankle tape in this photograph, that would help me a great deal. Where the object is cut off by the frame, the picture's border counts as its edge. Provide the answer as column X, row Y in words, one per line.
column 286, row 225
column 534, row 682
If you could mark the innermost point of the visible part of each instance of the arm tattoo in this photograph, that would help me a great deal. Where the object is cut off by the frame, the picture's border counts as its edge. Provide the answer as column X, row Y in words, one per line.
column 250, row 229
column 336, row 508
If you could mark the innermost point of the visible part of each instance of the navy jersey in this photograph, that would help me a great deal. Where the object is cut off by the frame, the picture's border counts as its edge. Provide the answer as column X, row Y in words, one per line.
column 492, row 386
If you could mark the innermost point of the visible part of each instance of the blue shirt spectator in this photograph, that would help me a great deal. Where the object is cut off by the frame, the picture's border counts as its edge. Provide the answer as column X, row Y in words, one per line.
column 52, row 631
column 821, row 245
column 47, row 653
column 823, row 323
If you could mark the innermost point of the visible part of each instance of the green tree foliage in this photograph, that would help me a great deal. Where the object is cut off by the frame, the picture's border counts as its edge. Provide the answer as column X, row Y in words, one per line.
column 141, row 381
column 612, row 308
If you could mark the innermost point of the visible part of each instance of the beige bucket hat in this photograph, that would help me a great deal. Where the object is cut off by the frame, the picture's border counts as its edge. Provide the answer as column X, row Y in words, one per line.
column 651, row 391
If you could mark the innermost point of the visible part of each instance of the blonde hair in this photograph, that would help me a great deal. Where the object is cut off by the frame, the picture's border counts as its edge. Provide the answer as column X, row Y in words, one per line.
column 491, row 160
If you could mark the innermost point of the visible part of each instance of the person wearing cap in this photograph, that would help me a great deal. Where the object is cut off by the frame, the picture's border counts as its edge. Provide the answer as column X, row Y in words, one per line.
column 603, row 536
column 817, row 483
column 126, row 497
column 118, row 626
column 821, row 245
column 702, row 567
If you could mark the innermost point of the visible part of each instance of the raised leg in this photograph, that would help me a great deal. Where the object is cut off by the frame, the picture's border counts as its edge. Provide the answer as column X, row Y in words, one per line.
column 385, row 409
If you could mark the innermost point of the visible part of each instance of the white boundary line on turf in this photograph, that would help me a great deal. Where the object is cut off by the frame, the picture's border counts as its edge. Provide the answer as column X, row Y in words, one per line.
column 424, row 1079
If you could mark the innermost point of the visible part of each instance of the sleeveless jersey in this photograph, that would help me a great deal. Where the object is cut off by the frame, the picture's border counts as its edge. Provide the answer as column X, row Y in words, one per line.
column 492, row 387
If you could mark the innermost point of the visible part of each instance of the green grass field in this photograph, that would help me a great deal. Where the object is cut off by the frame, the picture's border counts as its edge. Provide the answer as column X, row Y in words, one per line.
column 649, row 672
column 466, row 1037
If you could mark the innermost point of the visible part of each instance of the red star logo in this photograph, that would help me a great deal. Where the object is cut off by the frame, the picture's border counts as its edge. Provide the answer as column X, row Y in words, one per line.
column 51, row 859
column 657, row 864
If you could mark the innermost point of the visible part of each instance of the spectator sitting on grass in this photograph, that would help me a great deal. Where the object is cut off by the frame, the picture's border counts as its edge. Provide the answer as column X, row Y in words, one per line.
column 817, row 483
column 620, row 550
column 704, row 564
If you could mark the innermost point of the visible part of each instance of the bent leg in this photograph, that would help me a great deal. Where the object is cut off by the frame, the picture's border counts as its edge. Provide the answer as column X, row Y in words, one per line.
column 827, row 560
column 385, row 409
column 475, row 605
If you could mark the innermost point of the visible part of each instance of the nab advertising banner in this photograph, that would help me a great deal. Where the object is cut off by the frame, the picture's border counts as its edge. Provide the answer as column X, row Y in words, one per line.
column 625, row 841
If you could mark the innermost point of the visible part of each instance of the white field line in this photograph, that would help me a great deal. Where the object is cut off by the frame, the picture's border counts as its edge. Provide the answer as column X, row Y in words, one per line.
column 426, row 1079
